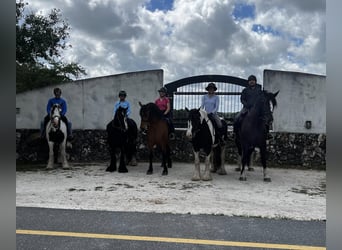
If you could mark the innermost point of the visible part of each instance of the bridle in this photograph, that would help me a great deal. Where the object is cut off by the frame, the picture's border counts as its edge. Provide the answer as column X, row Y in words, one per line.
column 55, row 116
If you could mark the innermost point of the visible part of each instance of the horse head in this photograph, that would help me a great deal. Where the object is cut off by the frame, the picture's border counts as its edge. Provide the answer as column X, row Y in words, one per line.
column 268, row 105
column 149, row 113
column 195, row 120
column 120, row 119
column 55, row 115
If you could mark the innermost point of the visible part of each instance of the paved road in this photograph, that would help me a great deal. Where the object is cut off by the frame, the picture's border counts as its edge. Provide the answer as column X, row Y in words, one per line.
column 43, row 228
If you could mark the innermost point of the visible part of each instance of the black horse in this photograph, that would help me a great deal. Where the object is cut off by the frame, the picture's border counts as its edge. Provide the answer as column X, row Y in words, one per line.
column 202, row 135
column 153, row 121
column 122, row 135
column 253, row 132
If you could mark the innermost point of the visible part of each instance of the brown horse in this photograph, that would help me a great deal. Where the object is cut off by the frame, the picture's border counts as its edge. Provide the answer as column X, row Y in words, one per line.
column 154, row 123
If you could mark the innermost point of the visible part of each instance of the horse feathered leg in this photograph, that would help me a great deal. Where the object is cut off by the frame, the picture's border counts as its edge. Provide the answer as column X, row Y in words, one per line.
column 122, row 165
column 112, row 165
column 263, row 162
column 62, row 148
column 207, row 174
column 221, row 170
column 51, row 155
column 197, row 173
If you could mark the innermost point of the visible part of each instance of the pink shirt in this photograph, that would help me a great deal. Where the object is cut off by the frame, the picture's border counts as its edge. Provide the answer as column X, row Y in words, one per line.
column 162, row 103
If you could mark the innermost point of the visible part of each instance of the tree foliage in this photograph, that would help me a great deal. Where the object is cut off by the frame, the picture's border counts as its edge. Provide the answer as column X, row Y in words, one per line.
column 40, row 41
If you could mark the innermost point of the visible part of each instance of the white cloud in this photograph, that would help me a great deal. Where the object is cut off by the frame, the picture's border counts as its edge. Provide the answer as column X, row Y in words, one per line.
column 194, row 37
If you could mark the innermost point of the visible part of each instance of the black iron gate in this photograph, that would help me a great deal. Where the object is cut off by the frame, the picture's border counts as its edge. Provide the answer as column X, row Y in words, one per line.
column 187, row 92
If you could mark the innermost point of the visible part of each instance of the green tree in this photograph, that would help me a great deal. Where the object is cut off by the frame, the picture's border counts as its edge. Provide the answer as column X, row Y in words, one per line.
column 40, row 41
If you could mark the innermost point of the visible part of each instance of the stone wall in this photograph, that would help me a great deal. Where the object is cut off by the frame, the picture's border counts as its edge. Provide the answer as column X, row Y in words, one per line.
column 295, row 150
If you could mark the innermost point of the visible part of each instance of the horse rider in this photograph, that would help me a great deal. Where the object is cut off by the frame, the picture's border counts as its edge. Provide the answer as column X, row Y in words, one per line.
column 163, row 103
column 122, row 102
column 210, row 103
column 57, row 100
column 248, row 98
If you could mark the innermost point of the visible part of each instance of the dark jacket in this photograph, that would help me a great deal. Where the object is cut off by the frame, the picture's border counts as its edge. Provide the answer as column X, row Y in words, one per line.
column 249, row 95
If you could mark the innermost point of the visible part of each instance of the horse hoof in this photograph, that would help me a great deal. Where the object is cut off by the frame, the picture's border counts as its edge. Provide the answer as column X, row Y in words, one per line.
column 111, row 169
column 195, row 178
column 133, row 163
column 123, row 170
column 237, row 169
column 222, row 172
column 243, row 178
column 164, row 173
column 213, row 170
column 149, row 172
column 251, row 169
column 267, row 179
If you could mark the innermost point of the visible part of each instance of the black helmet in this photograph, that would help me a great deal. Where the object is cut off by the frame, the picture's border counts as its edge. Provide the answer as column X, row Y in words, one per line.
column 163, row 89
column 252, row 77
column 122, row 93
column 211, row 85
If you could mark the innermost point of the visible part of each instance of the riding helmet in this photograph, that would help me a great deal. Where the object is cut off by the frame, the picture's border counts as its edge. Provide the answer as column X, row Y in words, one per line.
column 252, row 77
column 122, row 93
column 163, row 90
column 211, row 85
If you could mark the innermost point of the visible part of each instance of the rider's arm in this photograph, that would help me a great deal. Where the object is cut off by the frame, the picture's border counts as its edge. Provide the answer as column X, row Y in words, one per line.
column 217, row 104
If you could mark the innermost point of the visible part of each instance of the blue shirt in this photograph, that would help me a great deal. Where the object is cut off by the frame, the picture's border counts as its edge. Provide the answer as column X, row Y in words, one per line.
column 59, row 101
column 124, row 104
column 210, row 103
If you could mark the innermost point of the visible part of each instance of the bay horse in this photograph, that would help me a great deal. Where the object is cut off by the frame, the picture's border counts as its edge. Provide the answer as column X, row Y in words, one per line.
column 56, row 135
column 122, row 133
column 202, row 135
column 253, row 132
column 153, row 121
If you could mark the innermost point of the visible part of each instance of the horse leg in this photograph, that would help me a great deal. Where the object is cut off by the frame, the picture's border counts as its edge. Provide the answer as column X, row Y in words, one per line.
column 51, row 156
column 239, row 148
column 207, row 174
column 150, row 168
column 244, row 162
column 197, row 173
column 112, row 165
column 62, row 152
column 164, row 158
column 254, row 157
column 122, row 165
column 263, row 162
column 168, row 158
column 215, row 162
column 221, row 170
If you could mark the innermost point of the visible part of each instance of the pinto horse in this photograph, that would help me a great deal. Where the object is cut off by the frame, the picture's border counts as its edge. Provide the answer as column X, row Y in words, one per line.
column 202, row 135
column 154, row 123
column 253, row 132
column 122, row 135
column 56, row 134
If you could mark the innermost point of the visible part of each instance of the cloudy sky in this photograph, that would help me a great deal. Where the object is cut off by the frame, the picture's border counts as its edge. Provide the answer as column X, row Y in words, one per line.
column 193, row 37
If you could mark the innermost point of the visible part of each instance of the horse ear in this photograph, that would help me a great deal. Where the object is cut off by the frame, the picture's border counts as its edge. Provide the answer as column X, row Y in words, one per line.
column 140, row 104
column 276, row 93
column 186, row 109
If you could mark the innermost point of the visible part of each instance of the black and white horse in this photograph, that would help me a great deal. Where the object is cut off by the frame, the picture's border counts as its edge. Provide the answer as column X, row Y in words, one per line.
column 122, row 139
column 253, row 132
column 202, row 135
column 56, row 135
